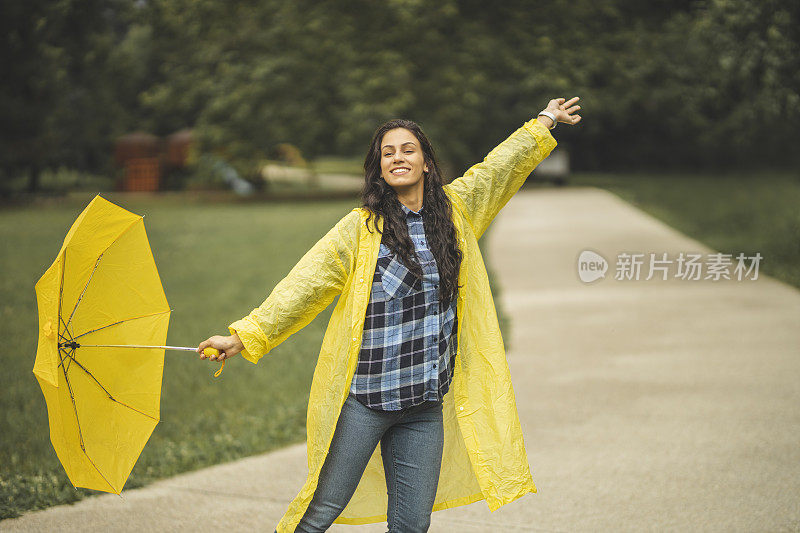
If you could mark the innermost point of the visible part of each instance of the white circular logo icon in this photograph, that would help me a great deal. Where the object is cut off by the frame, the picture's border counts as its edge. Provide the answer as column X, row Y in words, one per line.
column 591, row 266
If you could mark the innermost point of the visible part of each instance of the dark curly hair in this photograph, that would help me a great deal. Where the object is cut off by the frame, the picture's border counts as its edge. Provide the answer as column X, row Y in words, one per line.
column 380, row 199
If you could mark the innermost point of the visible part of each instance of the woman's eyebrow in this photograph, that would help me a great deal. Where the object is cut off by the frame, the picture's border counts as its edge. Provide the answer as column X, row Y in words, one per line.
column 405, row 143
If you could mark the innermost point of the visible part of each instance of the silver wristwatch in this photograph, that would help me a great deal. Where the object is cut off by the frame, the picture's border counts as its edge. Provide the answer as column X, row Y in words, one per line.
column 551, row 116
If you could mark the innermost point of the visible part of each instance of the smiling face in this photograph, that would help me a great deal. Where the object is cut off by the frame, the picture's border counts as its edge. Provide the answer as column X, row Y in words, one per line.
column 402, row 160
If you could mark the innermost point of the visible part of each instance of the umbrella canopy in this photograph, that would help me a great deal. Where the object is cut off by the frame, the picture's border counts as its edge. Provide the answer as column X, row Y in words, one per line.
column 102, row 402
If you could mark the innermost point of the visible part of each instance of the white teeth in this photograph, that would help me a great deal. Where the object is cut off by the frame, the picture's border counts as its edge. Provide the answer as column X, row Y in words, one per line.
column 400, row 171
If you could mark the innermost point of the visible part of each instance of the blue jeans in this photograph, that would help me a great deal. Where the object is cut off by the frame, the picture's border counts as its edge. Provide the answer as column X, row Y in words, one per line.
column 411, row 441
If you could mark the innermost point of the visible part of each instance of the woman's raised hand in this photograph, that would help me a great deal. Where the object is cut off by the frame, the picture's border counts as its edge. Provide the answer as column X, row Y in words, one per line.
column 227, row 346
column 563, row 110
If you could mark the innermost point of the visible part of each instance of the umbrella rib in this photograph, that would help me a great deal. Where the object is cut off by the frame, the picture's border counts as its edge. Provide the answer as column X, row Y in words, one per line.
column 119, row 322
column 78, row 420
column 110, row 397
column 72, row 397
column 61, row 294
column 96, row 263
column 98, row 471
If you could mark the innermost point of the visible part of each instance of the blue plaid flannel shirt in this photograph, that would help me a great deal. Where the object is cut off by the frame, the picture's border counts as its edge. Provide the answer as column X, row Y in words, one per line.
column 410, row 340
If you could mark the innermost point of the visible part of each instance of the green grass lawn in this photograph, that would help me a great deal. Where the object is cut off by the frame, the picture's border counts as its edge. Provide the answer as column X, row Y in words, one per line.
column 217, row 262
column 730, row 213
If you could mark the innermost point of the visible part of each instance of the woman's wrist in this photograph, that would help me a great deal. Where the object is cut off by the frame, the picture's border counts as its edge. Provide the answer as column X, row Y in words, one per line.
column 546, row 121
column 238, row 342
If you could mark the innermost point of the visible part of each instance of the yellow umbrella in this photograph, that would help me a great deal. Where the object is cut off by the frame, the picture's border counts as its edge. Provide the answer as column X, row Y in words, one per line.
column 101, row 297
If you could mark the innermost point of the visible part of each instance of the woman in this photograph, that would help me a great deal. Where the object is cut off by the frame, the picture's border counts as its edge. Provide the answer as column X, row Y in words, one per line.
column 415, row 319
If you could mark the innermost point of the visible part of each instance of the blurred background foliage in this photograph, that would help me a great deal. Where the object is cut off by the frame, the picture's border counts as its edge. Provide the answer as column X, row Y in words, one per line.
column 701, row 85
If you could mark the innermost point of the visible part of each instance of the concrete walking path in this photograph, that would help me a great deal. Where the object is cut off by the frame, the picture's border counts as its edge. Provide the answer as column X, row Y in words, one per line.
column 646, row 405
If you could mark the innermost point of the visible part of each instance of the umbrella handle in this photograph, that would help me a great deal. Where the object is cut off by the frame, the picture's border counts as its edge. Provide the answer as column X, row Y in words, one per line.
column 214, row 352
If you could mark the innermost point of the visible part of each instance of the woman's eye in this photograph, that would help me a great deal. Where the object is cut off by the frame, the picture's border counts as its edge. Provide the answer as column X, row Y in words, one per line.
column 409, row 151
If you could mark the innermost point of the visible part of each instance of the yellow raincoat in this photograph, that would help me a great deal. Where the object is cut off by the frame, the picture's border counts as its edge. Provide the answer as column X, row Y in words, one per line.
column 484, row 454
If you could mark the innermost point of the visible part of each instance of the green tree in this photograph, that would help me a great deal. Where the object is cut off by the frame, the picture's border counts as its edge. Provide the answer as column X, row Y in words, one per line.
column 59, row 104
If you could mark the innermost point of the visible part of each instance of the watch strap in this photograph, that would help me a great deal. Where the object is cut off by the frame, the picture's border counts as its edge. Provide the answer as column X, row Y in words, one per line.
column 551, row 116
